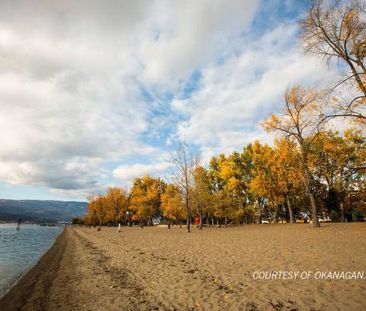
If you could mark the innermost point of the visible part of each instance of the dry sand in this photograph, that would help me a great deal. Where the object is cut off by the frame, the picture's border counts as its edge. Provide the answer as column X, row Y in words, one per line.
column 161, row 269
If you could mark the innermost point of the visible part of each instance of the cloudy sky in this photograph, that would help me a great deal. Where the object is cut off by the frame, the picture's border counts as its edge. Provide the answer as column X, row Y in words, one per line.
column 93, row 93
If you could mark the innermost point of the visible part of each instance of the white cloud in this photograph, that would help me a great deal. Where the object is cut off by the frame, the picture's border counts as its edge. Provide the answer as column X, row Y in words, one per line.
column 73, row 74
column 69, row 99
column 126, row 173
column 234, row 96
column 189, row 34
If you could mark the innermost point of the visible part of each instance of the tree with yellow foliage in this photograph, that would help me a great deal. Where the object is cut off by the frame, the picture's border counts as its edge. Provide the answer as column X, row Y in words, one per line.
column 201, row 196
column 288, row 169
column 236, row 175
column 145, row 198
column 97, row 210
column 301, row 120
column 221, row 200
column 172, row 205
column 266, row 177
column 184, row 162
column 117, row 204
column 230, row 177
column 339, row 162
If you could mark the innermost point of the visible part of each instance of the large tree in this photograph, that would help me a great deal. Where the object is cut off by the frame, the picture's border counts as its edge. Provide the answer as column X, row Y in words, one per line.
column 266, row 181
column 145, row 198
column 172, row 204
column 201, row 195
column 184, row 162
column 97, row 210
column 223, row 184
column 339, row 163
column 290, row 177
column 117, row 204
column 301, row 120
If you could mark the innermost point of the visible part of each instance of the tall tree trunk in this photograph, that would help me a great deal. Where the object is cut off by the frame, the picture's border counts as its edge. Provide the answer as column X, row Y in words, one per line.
column 225, row 222
column 188, row 215
column 314, row 211
column 274, row 217
column 200, row 216
column 290, row 211
column 341, row 207
column 308, row 180
column 100, row 224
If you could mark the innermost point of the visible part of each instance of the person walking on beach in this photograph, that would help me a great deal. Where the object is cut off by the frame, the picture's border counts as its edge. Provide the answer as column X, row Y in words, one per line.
column 119, row 227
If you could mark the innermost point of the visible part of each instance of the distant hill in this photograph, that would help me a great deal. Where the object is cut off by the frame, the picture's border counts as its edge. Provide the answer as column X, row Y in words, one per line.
column 36, row 210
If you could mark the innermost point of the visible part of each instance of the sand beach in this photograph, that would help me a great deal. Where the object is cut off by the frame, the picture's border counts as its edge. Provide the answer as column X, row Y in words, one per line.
column 240, row 268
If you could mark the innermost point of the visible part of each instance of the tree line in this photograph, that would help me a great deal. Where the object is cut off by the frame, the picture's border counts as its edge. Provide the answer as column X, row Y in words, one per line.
column 261, row 182
column 309, row 171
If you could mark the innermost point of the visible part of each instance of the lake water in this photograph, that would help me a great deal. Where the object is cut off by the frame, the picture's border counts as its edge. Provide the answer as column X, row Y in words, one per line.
column 21, row 249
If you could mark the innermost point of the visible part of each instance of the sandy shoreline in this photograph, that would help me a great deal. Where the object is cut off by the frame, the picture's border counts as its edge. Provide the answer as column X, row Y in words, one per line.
column 161, row 269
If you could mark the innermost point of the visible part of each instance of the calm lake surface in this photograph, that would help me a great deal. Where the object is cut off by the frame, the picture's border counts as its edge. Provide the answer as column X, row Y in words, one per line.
column 20, row 249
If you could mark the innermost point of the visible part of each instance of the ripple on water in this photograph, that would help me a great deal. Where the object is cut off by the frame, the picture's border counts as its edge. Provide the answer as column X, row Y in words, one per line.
column 20, row 249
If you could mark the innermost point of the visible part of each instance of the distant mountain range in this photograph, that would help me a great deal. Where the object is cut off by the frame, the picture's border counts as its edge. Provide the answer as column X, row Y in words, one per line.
column 40, row 211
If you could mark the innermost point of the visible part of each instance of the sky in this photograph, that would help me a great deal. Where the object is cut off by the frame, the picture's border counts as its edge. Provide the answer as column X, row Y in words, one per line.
column 94, row 93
